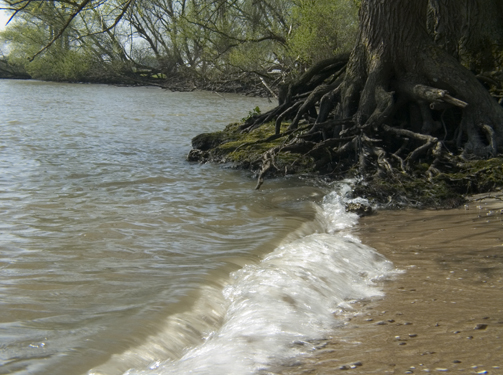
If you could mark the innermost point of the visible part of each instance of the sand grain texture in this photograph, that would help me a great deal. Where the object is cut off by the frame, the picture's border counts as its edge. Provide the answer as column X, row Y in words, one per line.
column 444, row 314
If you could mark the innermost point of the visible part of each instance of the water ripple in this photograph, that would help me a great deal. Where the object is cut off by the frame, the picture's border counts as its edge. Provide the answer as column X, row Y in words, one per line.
column 104, row 226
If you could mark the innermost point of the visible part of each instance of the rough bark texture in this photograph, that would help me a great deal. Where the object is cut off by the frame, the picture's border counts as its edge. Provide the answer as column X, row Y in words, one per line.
column 386, row 67
column 470, row 30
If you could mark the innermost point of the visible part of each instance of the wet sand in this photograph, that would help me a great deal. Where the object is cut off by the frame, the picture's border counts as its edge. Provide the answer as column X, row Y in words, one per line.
column 444, row 314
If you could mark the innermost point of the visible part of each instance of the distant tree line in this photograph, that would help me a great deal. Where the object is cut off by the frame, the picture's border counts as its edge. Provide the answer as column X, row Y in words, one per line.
column 160, row 41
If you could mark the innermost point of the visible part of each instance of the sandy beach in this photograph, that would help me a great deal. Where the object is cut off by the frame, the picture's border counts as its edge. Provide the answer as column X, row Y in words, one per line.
column 443, row 314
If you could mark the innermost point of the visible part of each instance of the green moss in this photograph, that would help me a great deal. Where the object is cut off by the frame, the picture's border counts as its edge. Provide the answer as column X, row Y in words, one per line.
column 419, row 192
column 445, row 189
column 476, row 176
column 246, row 150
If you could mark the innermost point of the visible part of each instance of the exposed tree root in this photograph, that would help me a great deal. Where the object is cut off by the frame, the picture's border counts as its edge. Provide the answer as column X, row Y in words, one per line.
column 400, row 110
column 392, row 128
column 380, row 139
column 267, row 163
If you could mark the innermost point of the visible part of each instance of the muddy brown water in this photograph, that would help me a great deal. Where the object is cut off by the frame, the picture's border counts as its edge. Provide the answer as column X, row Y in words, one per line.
column 116, row 253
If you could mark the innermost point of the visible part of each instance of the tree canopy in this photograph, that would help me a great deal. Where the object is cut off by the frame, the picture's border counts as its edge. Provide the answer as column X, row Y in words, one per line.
column 257, row 40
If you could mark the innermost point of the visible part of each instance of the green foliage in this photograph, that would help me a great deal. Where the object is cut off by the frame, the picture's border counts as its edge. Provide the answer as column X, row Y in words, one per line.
column 60, row 63
column 68, row 66
column 204, row 39
column 256, row 57
column 322, row 28
column 254, row 112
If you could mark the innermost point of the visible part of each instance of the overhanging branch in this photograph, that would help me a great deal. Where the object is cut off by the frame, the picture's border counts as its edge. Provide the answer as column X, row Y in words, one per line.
column 62, row 30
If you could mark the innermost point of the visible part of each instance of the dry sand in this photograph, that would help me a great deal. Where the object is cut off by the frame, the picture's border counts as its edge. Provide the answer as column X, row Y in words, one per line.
column 444, row 314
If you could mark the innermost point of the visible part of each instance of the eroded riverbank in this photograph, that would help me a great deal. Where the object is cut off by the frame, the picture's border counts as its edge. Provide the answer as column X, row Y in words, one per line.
column 444, row 313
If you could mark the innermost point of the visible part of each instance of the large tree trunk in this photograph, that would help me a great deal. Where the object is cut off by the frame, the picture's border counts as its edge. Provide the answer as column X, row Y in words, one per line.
column 396, row 63
column 403, row 98
column 470, row 30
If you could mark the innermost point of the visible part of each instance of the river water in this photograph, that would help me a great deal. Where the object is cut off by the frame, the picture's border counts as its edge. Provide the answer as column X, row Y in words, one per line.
column 117, row 256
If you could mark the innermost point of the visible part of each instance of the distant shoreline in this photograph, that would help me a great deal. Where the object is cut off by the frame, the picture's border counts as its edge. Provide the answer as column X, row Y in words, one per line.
column 175, row 84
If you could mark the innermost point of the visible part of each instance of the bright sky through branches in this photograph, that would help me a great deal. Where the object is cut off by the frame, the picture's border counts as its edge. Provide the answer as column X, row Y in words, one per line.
column 3, row 19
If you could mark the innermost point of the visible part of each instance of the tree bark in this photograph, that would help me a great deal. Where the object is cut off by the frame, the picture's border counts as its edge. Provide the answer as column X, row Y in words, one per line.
column 395, row 54
column 470, row 30
column 401, row 112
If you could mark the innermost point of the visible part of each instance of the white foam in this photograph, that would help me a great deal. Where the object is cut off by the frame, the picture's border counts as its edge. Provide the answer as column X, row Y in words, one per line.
column 276, row 309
